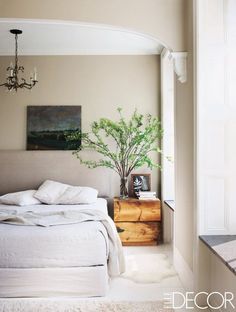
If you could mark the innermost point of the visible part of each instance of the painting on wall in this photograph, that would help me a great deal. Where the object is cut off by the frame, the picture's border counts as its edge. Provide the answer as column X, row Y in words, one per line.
column 47, row 126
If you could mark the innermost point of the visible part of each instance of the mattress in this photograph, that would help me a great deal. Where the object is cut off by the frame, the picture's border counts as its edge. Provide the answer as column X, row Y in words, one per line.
column 74, row 245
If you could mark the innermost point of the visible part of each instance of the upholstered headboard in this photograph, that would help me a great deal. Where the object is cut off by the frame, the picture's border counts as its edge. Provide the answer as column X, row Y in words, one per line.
column 21, row 170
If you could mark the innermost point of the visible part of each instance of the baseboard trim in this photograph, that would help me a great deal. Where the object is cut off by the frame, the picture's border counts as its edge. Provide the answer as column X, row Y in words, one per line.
column 184, row 271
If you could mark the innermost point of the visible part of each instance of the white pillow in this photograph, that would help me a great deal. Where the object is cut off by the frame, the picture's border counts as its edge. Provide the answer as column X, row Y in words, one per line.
column 51, row 192
column 23, row 198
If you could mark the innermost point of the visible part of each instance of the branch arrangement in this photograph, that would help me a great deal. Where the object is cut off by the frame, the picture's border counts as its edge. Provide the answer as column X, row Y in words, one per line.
column 134, row 140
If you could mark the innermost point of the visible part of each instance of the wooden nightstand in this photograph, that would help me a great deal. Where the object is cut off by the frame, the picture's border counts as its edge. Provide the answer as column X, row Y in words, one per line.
column 138, row 221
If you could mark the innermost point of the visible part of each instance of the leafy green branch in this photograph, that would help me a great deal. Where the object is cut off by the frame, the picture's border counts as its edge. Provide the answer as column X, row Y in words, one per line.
column 134, row 140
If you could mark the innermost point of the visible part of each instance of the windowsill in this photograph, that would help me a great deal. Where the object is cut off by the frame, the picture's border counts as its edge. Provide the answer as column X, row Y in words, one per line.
column 170, row 204
column 224, row 246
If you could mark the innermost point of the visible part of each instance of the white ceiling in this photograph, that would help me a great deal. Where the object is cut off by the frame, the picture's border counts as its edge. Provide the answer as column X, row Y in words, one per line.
column 50, row 37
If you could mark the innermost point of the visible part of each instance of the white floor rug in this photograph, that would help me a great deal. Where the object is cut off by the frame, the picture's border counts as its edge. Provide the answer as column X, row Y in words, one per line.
column 67, row 305
column 148, row 268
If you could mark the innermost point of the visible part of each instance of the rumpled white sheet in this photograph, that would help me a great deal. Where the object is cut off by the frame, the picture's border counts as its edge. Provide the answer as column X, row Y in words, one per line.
column 116, row 263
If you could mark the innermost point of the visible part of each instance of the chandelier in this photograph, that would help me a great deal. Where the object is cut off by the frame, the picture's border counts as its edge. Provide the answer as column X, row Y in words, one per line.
column 13, row 82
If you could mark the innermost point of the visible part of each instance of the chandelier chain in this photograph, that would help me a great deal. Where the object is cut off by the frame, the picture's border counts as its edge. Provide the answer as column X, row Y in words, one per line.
column 16, row 50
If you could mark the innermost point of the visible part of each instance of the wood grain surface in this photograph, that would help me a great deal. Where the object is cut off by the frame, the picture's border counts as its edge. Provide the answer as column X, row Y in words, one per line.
column 138, row 233
column 138, row 221
column 137, row 210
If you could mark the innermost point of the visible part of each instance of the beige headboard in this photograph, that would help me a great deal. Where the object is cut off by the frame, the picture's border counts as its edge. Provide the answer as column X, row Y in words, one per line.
column 21, row 170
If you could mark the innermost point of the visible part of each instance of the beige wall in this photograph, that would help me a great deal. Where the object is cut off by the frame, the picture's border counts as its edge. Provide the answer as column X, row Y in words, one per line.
column 163, row 19
column 98, row 83
column 221, row 280
column 215, row 276
column 184, row 212
column 168, row 224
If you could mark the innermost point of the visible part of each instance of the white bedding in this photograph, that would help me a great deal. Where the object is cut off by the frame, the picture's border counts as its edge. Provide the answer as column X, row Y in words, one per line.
column 74, row 245
column 54, row 282
column 100, row 204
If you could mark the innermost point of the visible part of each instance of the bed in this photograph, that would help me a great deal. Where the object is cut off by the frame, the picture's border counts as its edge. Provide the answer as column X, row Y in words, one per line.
column 59, row 260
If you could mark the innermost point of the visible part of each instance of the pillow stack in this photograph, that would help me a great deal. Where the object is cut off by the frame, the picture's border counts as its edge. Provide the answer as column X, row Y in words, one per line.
column 52, row 193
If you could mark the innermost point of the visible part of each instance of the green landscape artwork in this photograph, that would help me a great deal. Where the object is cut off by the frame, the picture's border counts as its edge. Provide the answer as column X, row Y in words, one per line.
column 48, row 125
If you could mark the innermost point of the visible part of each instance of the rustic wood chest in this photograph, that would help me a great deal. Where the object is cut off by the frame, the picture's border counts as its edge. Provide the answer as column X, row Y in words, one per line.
column 138, row 221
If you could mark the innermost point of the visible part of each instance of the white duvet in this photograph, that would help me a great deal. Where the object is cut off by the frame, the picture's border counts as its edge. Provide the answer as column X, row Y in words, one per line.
column 66, row 237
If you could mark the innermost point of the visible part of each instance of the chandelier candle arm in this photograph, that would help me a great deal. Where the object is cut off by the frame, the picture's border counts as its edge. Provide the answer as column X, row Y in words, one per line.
column 35, row 74
column 11, row 69
column 12, row 82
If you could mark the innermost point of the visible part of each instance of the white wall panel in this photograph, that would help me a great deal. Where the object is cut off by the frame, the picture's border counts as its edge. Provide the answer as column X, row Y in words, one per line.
column 216, row 119
column 232, row 206
column 214, row 75
column 230, row 148
column 214, row 22
column 232, row 75
column 215, row 153
column 215, row 204
column 230, row 20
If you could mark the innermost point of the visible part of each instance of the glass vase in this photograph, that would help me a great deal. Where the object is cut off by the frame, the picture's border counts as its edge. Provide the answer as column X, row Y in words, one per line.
column 124, row 188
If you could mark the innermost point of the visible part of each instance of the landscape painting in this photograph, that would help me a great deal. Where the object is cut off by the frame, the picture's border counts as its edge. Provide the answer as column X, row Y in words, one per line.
column 47, row 126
